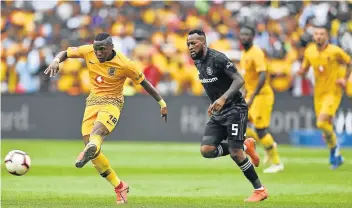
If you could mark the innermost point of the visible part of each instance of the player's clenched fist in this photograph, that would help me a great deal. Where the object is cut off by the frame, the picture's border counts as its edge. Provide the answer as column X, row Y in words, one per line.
column 209, row 110
column 218, row 104
column 52, row 69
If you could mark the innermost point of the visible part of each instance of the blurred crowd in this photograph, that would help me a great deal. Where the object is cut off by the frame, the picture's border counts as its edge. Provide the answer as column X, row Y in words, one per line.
column 154, row 34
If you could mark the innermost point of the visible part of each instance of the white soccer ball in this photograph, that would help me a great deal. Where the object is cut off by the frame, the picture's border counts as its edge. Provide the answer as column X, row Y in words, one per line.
column 17, row 162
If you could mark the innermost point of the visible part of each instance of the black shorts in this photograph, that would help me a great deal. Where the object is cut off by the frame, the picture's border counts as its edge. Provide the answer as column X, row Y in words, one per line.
column 231, row 124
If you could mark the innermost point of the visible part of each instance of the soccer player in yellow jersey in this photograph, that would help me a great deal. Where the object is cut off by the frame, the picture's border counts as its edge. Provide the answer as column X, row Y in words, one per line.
column 108, row 71
column 259, row 97
column 325, row 59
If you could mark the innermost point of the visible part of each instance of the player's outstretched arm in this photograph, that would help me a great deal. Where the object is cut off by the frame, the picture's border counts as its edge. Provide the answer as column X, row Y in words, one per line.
column 152, row 91
column 53, row 68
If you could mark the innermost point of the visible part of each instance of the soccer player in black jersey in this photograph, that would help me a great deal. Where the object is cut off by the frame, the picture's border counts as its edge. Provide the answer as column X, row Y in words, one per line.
column 228, row 111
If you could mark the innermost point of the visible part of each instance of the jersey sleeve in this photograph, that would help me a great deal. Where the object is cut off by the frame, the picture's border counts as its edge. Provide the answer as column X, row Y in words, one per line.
column 259, row 61
column 343, row 56
column 305, row 62
column 78, row 52
column 224, row 63
column 132, row 72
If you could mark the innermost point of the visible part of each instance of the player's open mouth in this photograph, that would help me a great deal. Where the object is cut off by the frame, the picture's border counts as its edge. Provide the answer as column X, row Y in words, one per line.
column 193, row 53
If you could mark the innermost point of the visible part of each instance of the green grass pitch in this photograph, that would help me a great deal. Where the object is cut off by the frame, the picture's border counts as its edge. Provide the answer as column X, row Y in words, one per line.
column 170, row 175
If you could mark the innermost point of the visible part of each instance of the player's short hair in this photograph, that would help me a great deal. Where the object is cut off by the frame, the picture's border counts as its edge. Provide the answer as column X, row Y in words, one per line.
column 197, row 31
column 101, row 36
column 325, row 27
column 251, row 28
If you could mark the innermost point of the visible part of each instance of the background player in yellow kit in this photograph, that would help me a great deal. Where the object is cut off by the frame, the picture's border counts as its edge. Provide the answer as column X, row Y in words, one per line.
column 108, row 71
column 259, row 97
column 325, row 59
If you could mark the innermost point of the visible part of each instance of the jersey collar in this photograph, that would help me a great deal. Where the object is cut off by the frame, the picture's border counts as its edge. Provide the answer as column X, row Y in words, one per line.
column 206, row 56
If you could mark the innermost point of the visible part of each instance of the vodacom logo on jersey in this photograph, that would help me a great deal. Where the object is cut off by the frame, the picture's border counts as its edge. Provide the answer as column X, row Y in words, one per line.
column 210, row 80
column 99, row 79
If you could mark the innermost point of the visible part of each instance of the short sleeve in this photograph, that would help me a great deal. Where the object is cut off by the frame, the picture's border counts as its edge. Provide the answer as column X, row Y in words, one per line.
column 133, row 72
column 224, row 63
column 305, row 62
column 343, row 56
column 259, row 61
column 78, row 52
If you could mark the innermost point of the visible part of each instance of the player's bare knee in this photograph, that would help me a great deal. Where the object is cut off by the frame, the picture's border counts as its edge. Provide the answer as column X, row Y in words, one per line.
column 261, row 132
column 100, row 129
column 324, row 122
column 86, row 139
column 324, row 117
column 208, row 151
column 325, row 126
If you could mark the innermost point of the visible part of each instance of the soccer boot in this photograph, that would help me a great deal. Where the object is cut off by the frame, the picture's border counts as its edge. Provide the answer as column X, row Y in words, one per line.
column 121, row 193
column 332, row 158
column 338, row 162
column 274, row 168
column 87, row 155
column 258, row 195
column 251, row 151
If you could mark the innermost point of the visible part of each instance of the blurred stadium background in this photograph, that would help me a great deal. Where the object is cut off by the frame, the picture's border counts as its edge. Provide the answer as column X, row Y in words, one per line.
column 153, row 34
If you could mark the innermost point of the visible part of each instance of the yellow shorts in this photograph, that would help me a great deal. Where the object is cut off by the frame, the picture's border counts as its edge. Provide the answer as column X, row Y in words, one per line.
column 260, row 111
column 108, row 115
column 327, row 104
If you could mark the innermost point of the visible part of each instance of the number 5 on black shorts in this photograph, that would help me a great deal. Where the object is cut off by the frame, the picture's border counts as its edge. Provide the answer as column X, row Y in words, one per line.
column 236, row 130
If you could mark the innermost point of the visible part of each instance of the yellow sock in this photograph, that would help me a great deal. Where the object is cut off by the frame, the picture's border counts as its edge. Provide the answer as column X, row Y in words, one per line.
column 328, row 129
column 97, row 140
column 102, row 165
column 268, row 143
column 251, row 133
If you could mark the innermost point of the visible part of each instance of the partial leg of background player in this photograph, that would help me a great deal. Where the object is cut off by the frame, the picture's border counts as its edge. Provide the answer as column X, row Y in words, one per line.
column 238, row 156
column 324, row 123
column 270, row 145
column 250, row 133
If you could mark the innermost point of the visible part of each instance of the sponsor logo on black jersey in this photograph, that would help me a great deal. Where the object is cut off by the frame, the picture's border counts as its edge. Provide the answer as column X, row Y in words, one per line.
column 214, row 79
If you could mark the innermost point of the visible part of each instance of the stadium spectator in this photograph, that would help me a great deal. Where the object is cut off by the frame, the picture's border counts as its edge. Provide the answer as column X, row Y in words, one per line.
column 152, row 72
column 31, row 33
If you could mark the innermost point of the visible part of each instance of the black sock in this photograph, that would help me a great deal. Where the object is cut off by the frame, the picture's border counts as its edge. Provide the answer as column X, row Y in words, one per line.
column 222, row 149
column 249, row 171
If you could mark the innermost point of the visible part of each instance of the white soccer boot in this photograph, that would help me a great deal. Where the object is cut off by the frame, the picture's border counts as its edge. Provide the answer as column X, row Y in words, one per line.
column 274, row 168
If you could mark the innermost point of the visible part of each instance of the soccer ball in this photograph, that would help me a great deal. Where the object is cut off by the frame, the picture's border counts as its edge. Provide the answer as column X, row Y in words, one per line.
column 17, row 162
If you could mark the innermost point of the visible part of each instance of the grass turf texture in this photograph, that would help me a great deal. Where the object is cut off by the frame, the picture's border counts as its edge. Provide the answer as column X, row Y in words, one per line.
column 170, row 175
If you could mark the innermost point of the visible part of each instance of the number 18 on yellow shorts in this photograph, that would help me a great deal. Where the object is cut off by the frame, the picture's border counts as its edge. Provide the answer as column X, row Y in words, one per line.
column 108, row 115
